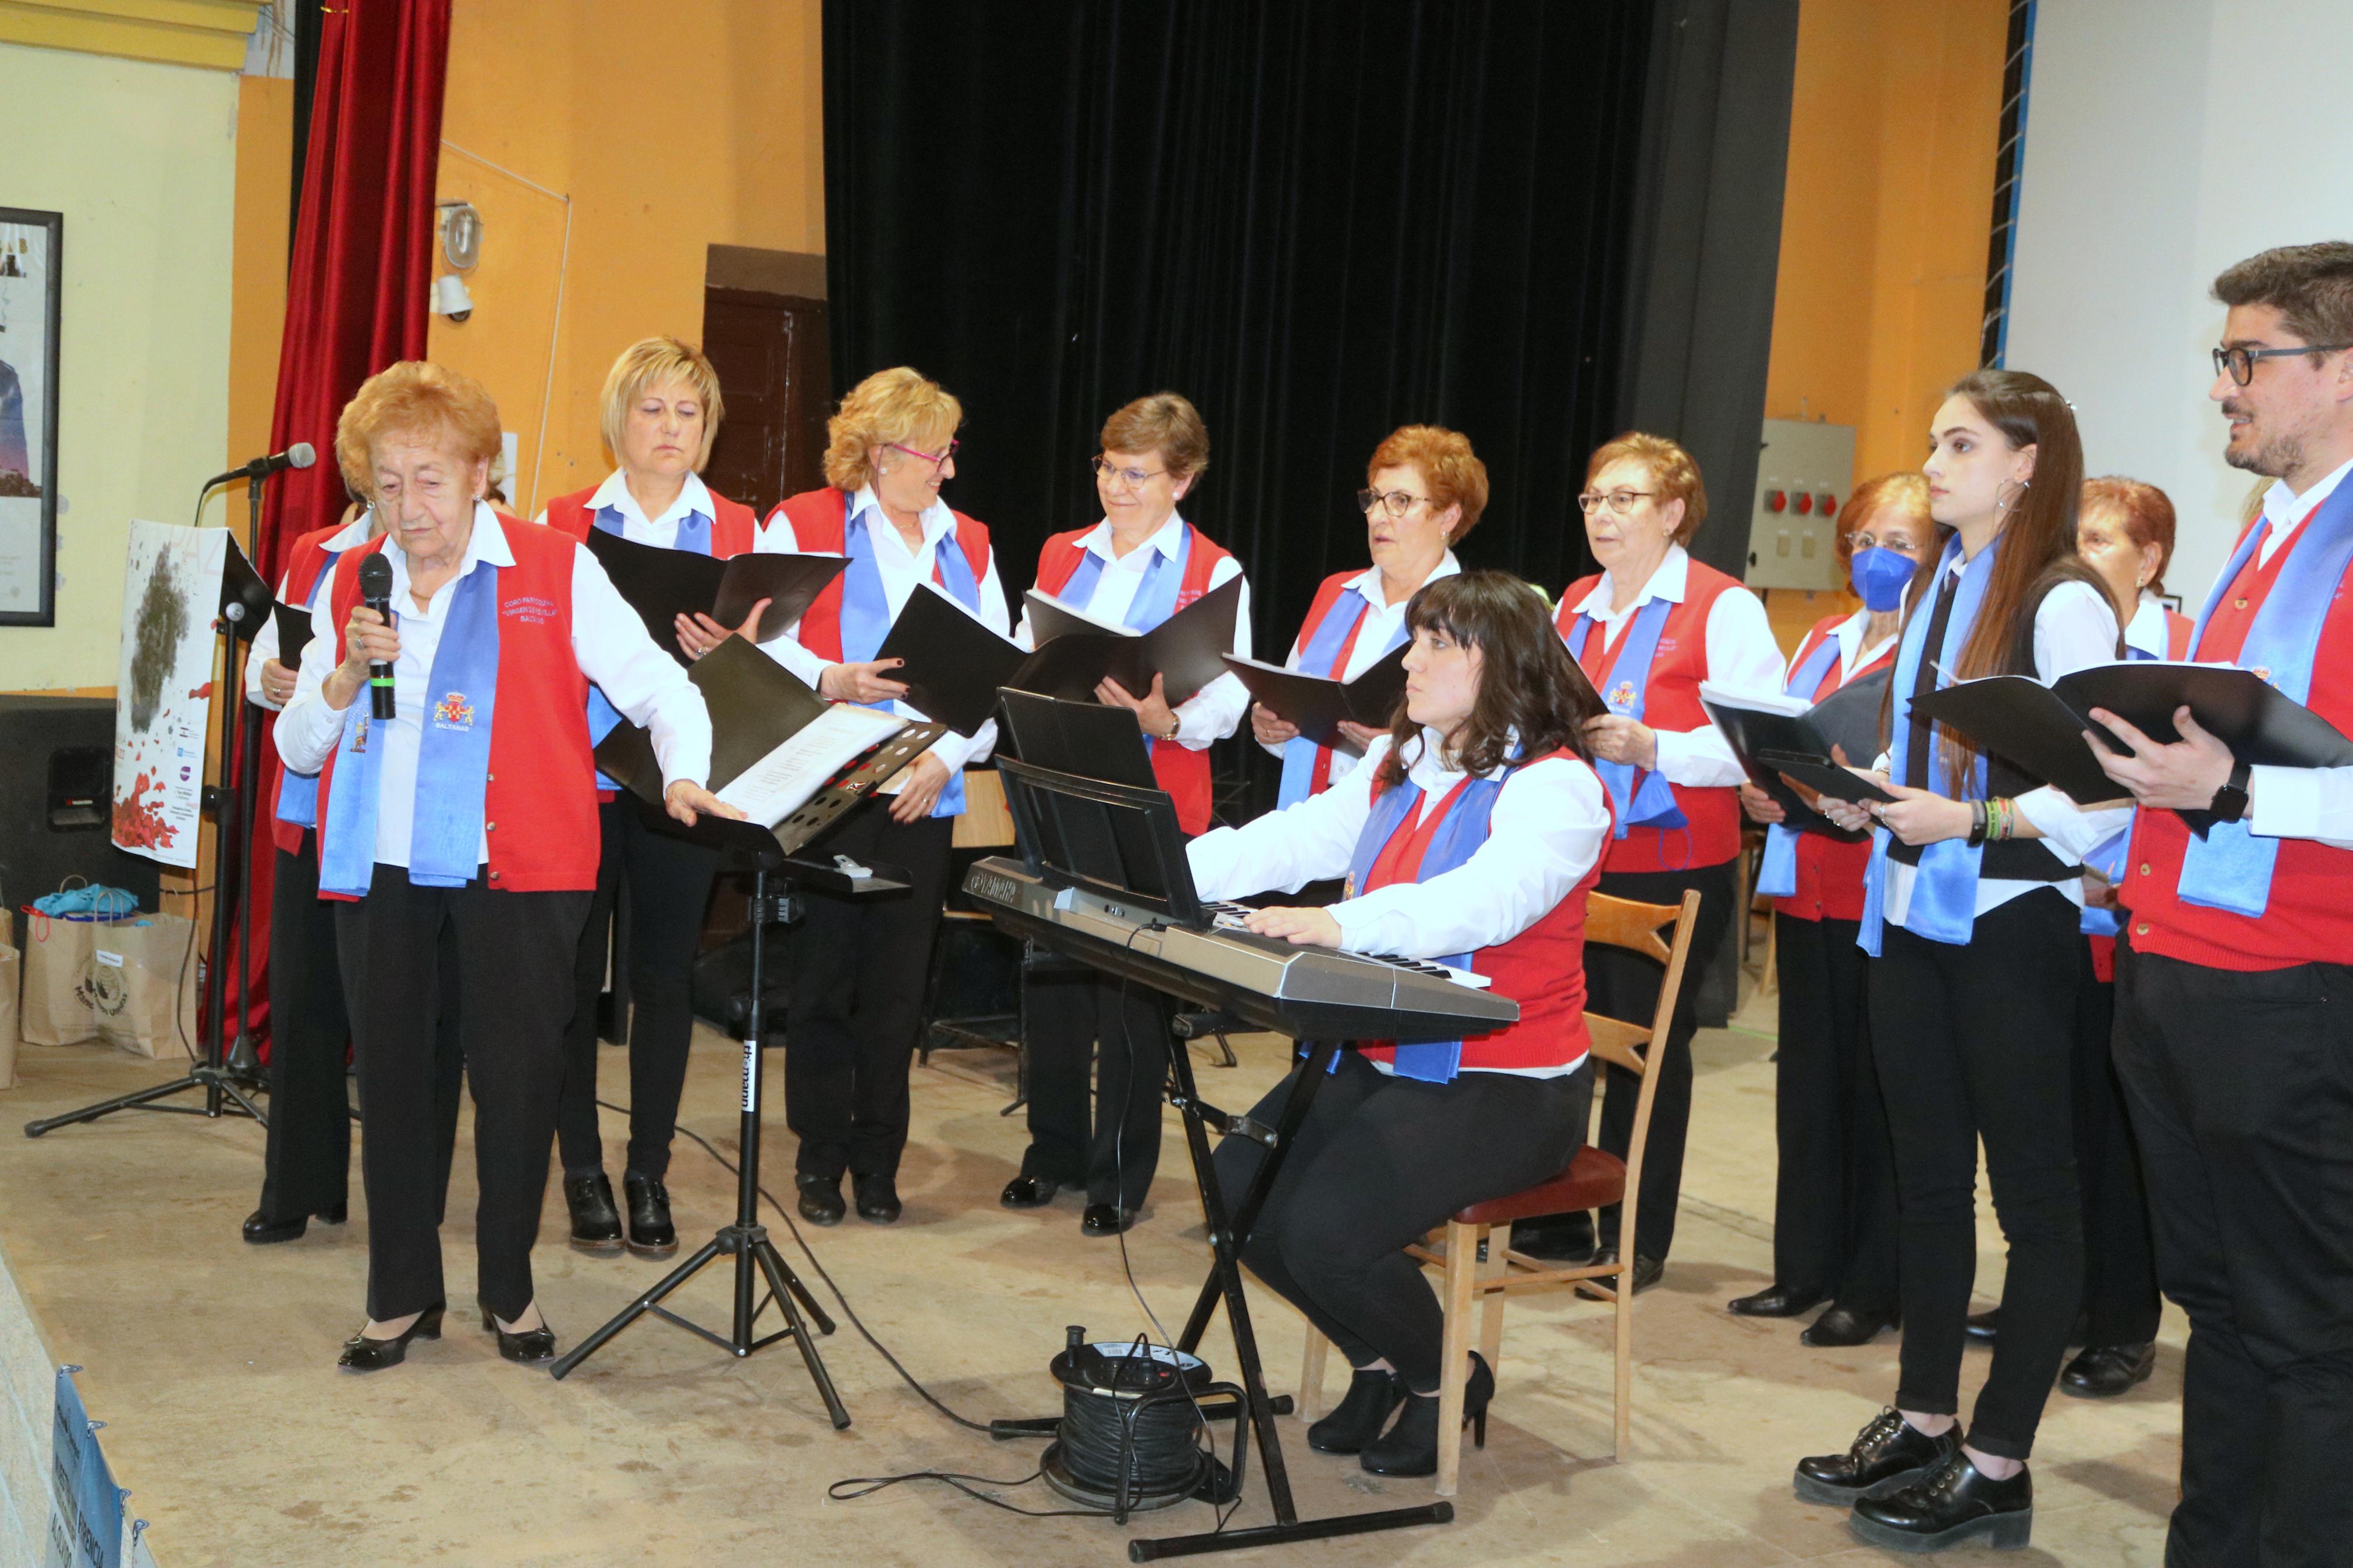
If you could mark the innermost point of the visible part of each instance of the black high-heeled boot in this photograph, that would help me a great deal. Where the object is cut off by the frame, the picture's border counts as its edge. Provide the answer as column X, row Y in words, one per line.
column 1410, row 1448
column 1358, row 1418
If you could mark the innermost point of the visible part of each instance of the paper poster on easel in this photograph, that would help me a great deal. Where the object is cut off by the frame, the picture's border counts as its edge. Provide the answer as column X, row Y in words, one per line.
column 164, row 688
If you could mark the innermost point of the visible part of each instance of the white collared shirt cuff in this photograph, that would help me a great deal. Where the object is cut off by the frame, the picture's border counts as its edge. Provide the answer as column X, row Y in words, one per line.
column 2301, row 803
column 1211, row 714
column 1697, row 759
column 2074, row 831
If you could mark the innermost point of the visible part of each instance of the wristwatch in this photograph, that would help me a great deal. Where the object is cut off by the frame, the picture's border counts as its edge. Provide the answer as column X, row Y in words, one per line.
column 2230, row 802
column 1174, row 724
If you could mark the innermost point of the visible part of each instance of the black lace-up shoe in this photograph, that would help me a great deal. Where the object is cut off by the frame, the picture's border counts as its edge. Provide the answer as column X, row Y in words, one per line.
column 1888, row 1452
column 1953, row 1502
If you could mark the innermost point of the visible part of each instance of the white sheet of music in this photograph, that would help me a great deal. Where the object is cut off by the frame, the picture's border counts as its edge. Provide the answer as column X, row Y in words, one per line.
column 781, row 781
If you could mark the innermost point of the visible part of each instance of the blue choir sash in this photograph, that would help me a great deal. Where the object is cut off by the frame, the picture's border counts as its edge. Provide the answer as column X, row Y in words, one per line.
column 1777, row 873
column 1458, row 837
column 2108, row 860
column 297, row 793
column 2230, row 868
column 453, row 759
column 1321, row 656
column 1155, row 597
column 1945, row 883
column 1638, row 797
column 866, row 614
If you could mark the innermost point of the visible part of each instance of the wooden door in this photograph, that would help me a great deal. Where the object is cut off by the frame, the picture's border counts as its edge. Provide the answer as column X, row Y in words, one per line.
column 771, row 354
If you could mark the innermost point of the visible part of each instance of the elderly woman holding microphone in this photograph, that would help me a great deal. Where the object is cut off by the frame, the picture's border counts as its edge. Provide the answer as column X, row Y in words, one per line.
column 1425, row 490
column 458, row 802
column 661, row 412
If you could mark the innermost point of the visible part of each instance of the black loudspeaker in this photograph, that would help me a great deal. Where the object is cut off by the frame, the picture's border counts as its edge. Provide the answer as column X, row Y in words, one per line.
column 57, row 786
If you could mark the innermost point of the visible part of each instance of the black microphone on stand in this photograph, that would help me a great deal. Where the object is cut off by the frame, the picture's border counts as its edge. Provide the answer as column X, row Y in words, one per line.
column 301, row 455
column 375, row 592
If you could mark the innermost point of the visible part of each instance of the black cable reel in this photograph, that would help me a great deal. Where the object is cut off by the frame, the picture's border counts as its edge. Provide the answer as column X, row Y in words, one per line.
column 1132, row 1434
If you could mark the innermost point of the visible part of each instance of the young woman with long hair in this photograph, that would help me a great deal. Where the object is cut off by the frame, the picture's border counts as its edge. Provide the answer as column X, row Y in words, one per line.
column 1472, row 833
column 1972, row 898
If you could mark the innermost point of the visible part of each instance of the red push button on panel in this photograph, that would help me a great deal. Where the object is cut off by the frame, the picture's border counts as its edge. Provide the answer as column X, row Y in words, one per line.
column 1775, row 500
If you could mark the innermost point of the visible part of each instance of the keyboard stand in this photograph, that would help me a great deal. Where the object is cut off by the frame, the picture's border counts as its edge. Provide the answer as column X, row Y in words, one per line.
column 1228, row 1234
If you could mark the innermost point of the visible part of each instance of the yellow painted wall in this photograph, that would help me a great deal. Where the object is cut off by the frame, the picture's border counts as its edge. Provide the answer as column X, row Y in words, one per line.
column 669, row 129
column 141, row 160
column 265, row 189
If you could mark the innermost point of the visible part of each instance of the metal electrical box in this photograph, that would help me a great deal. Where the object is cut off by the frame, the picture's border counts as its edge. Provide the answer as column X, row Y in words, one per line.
column 1803, row 475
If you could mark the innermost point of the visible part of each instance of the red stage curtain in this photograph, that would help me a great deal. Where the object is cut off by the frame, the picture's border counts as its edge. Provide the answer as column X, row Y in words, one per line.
column 356, row 292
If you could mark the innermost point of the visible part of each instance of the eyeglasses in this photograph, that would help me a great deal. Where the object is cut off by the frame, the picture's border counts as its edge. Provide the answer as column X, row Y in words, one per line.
column 1397, row 502
column 2240, row 361
column 1621, row 502
column 1132, row 477
column 937, row 461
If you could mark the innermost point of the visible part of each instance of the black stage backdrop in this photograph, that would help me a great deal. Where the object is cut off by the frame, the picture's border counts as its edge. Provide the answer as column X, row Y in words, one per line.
column 1318, row 219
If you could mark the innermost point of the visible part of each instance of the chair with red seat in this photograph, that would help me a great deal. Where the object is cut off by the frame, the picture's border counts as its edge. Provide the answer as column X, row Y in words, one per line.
column 1593, row 1180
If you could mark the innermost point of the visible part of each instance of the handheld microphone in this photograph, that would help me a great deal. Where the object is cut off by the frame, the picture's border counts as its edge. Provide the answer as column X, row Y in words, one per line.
column 375, row 592
column 301, row 455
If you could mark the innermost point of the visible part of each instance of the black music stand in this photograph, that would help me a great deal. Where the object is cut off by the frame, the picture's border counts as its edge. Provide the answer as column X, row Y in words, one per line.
column 227, row 1074
column 1124, row 841
column 765, row 853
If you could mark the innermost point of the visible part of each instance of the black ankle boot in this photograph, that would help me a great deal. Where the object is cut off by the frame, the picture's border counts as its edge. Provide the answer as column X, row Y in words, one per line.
column 1410, row 1448
column 1357, row 1419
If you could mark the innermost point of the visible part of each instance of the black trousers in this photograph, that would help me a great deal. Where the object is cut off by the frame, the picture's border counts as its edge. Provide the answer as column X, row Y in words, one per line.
column 1123, row 1028
column 1834, row 1200
column 859, row 973
column 1622, row 984
column 1378, row 1161
column 306, row 1162
column 669, row 881
column 1977, row 1040
column 513, row 992
column 2121, row 1306
column 2241, row 1088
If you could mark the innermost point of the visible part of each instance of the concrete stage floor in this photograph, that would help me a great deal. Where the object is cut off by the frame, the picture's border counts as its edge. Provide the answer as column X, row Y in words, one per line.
column 214, row 1364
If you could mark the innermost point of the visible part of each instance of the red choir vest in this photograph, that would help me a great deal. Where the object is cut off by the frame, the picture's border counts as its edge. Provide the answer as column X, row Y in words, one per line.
column 539, row 798
column 1830, row 873
column 1712, row 815
column 820, row 521
column 732, row 531
column 2178, row 627
column 1182, row 771
column 1542, row 969
column 305, row 562
column 2309, row 919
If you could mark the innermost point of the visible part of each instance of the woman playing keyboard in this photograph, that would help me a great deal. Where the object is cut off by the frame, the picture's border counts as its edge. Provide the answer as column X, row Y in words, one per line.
column 1470, row 835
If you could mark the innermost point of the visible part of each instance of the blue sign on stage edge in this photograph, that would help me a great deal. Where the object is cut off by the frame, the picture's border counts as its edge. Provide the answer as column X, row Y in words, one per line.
column 86, row 1506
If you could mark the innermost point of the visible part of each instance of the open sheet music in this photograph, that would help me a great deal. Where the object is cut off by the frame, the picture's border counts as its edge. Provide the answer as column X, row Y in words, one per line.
column 781, row 781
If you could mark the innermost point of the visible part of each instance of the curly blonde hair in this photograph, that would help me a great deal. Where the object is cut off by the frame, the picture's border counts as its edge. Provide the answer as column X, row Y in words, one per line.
column 899, row 406
column 656, row 362
column 1449, row 468
column 1672, row 470
column 417, row 398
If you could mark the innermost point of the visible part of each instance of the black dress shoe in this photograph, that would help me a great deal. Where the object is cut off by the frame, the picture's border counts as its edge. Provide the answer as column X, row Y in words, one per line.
column 2105, row 1371
column 1982, row 1326
column 1773, row 1301
column 362, row 1353
column 1842, row 1327
column 1410, row 1448
column 1887, row 1453
column 1028, row 1191
column 1357, row 1419
column 650, row 1231
column 1646, row 1272
column 1953, row 1502
column 1106, row 1219
column 261, row 1231
column 878, row 1198
column 528, row 1346
column 820, row 1201
column 595, row 1223
column 1557, row 1239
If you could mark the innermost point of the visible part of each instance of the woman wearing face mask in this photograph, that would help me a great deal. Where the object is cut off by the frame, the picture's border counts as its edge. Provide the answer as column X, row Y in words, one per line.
column 1834, row 1202
column 661, row 413
column 1972, row 898
column 1648, row 629
column 1425, row 490
column 1471, row 832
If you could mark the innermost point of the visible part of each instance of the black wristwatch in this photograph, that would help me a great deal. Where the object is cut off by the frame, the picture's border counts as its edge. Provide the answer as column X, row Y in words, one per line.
column 2230, row 802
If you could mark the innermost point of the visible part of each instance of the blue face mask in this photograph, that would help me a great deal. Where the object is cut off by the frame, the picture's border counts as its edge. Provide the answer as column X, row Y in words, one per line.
column 1880, row 576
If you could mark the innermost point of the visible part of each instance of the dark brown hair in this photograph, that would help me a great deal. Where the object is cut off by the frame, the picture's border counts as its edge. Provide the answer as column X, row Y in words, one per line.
column 2148, row 514
column 2311, row 285
column 2038, row 550
column 1528, row 683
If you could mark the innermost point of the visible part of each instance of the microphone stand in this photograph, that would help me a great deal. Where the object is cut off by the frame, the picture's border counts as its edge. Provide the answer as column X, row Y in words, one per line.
column 227, row 1075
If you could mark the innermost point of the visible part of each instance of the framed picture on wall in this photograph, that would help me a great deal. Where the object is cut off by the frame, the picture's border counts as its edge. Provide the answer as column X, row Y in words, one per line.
column 30, row 296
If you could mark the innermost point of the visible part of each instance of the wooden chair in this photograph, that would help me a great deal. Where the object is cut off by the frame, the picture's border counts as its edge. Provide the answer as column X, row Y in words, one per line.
column 1594, row 1179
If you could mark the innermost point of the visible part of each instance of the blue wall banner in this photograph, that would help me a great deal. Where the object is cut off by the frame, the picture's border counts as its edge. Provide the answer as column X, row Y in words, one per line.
column 86, row 1516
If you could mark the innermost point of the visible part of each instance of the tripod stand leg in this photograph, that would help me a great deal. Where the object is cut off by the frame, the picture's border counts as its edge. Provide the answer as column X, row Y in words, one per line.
column 228, row 1087
column 109, row 1107
column 635, row 1310
column 785, row 1285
